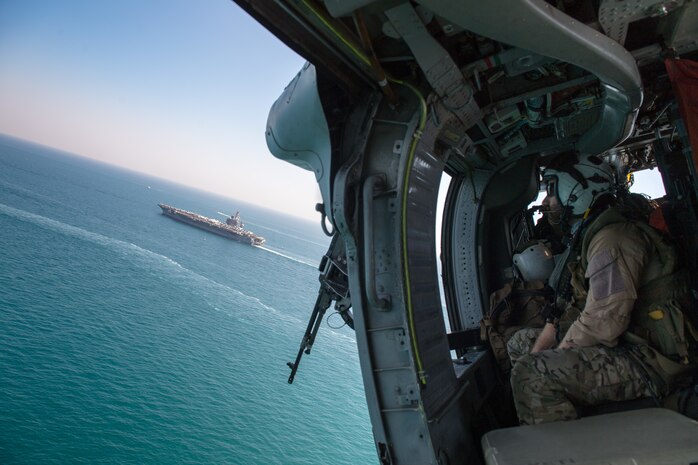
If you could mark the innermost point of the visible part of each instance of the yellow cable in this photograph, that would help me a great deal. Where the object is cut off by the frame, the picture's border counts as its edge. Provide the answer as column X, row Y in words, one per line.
column 359, row 54
column 408, row 171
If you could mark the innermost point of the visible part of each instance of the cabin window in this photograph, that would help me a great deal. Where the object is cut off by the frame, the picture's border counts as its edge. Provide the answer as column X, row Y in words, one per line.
column 648, row 182
column 443, row 190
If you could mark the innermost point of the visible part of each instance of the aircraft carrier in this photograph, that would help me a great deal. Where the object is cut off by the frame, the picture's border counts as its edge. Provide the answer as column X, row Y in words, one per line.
column 231, row 229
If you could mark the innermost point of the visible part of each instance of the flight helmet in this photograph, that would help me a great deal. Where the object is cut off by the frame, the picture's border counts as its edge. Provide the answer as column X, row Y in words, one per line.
column 535, row 262
column 577, row 182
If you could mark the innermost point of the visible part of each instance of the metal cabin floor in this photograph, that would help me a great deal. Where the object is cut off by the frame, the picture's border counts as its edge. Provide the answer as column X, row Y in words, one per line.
column 639, row 437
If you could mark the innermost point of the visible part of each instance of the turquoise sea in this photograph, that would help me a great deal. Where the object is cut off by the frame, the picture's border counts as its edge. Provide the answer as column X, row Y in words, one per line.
column 127, row 337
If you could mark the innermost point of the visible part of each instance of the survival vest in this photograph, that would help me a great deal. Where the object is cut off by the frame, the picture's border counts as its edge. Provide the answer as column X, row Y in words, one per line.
column 516, row 305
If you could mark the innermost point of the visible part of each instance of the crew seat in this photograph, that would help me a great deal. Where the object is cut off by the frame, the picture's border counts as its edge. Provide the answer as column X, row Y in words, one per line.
column 653, row 436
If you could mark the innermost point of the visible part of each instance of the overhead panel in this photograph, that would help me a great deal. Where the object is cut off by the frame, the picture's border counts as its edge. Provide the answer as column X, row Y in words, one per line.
column 681, row 33
column 616, row 15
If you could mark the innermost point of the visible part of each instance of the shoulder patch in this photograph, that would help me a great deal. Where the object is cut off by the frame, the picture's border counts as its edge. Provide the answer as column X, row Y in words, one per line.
column 605, row 277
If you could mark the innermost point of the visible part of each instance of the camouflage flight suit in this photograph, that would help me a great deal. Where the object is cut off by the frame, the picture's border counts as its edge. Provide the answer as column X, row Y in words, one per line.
column 547, row 385
column 619, row 259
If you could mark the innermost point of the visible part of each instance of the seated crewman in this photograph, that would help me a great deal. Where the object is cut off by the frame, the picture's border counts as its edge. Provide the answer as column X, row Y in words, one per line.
column 622, row 291
column 519, row 302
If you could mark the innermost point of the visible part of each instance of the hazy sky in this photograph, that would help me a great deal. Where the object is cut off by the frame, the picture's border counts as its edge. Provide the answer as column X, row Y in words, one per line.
column 179, row 89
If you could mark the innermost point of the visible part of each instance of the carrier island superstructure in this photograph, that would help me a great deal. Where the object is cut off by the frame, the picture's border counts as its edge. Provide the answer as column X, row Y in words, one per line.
column 231, row 229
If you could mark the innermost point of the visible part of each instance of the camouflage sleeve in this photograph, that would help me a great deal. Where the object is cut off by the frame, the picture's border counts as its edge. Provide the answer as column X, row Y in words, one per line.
column 616, row 255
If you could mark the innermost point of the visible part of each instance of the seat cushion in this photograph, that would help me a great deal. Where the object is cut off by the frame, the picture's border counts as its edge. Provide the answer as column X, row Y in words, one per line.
column 639, row 437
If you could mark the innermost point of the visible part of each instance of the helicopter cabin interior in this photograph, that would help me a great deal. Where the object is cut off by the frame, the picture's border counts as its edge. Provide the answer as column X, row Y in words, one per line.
column 397, row 96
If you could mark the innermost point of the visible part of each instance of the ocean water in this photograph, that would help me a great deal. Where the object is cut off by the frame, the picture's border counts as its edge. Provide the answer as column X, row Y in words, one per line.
column 127, row 337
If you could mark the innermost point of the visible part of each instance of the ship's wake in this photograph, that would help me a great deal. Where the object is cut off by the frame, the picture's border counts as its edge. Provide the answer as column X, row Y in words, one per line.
column 284, row 233
column 298, row 260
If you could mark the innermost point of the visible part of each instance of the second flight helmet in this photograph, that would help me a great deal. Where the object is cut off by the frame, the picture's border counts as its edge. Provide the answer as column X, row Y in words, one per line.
column 535, row 262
